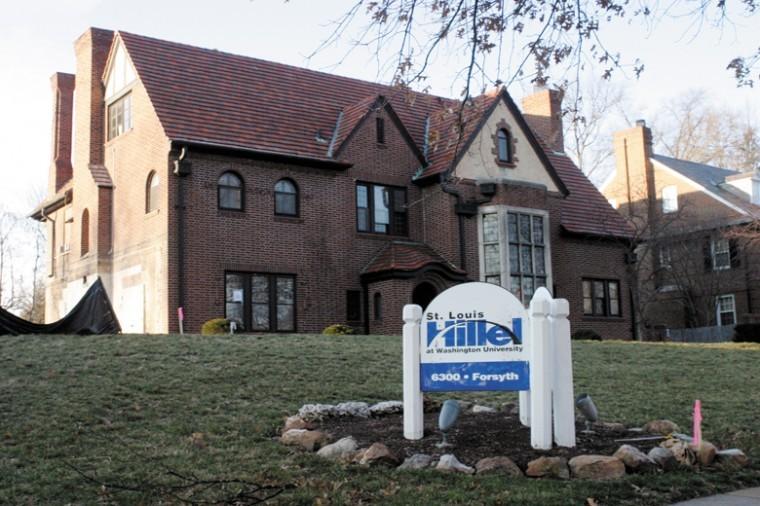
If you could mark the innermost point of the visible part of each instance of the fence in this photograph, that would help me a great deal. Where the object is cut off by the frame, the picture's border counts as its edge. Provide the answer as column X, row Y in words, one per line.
column 717, row 334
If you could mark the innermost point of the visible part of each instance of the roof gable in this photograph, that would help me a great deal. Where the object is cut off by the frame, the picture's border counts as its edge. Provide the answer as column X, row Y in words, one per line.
column 353, row 117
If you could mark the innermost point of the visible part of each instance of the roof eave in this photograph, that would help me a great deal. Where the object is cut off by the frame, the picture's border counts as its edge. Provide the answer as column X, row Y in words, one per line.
column 234, row 150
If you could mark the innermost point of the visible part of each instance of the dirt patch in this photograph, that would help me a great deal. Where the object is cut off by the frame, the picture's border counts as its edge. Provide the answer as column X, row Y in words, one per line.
column 476, row 436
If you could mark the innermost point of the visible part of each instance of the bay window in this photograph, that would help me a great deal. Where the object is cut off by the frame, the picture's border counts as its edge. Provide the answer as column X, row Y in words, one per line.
column 514, row 249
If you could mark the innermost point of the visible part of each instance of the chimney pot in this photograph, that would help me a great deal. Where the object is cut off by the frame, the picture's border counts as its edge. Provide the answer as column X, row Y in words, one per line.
column 641, row 123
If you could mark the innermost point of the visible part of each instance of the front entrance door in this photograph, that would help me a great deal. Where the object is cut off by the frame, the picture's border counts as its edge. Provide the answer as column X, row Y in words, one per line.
column 423, row 294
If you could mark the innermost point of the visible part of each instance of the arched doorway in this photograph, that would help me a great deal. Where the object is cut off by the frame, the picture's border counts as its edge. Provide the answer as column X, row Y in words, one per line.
column 423, row 294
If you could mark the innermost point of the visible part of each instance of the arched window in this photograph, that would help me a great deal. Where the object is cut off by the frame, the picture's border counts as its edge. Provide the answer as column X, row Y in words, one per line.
column 377, row 302
column 285, row 198
column 85, row 236
column 230, row 192
column 504, row 141
column 151, row 192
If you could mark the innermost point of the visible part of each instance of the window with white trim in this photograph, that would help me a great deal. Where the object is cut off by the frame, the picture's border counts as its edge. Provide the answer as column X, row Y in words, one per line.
column 514, row 250
column 725, row 306
column 670, row 199
column 720, row 250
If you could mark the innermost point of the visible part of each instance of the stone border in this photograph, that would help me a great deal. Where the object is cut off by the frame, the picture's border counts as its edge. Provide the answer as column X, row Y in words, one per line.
column 676, row 451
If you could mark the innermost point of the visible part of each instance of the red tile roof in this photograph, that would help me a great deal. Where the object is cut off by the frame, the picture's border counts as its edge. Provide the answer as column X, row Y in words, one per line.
column 210, row 97
column 407, row 256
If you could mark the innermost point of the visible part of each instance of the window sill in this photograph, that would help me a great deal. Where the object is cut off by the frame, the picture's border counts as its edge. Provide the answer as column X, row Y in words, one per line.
column 288, row 219
column 120, row 136
column 152, row 213
column 506, row 165
column 592, row 318
column 372, row 235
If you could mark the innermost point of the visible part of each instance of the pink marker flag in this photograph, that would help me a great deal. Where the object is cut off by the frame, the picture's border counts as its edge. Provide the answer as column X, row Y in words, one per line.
column 697, row 434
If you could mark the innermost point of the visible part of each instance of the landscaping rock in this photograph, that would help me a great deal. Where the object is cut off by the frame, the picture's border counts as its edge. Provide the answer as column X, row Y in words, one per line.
column 732, row 458
column 378, row 454
column 482, row 409
column 359, row 409
column 612, row 427
column 596, row 467
column 510, row 408
column 705, row 452
column 681, row 451
column 664, row 427
column 386, row 408
column 311, row 412
column 449, row 463
column 501, row 465
column 634, row 459
column 464, row 405
column 548, row 467
column 311, row 440
column 663, row 458
column 296, row 422
column 342, row 449
column 417, row 461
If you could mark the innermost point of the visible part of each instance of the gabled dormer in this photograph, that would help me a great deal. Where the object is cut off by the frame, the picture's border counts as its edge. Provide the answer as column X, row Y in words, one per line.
column 119, row 78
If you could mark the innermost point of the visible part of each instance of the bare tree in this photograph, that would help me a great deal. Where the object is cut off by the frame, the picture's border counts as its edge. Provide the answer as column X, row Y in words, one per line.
column 539, row 36
column 590, row 119
column 694, row 129
column 8, row 224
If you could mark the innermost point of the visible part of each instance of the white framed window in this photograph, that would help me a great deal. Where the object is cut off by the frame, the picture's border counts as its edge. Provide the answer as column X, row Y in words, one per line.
column 725, row 308
column 720, row 250
column 670, row 199
column 120, row 73
column 514, row 249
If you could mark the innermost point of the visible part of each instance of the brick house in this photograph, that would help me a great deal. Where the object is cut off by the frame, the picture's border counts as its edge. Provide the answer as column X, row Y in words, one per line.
column 289, row 199
column 698, row 223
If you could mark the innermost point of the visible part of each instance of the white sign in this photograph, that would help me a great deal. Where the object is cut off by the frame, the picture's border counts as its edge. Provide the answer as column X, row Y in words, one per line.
column 472, row 339
column 478, row 336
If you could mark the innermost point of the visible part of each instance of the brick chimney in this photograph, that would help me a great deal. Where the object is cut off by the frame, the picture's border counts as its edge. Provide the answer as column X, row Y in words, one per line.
column 63, row 103
column 91, row 50
column 543, row 112
column 633, row 183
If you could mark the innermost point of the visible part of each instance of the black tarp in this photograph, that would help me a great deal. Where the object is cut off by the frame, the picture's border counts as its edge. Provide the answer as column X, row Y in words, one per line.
column 93, row 314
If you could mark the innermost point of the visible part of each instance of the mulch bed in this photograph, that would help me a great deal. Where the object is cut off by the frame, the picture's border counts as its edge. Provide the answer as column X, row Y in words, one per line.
column 476, row 436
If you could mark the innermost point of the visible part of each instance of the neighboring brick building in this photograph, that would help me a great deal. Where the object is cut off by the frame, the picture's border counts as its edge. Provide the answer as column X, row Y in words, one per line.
column 290, row 199
column 698, row 226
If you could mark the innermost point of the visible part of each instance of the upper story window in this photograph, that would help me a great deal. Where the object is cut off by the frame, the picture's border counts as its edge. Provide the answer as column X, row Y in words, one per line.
column 515, row 250
column 721, row 254
column 120, row 72
column 601, row 297
column 230, row 194
column 285, row 198
column 120, row 116
column 381, row 209
column 151, row 192
column 504, row 142
column 84, row 242
column 670, row 199
column 380, row 129
column 665, row 257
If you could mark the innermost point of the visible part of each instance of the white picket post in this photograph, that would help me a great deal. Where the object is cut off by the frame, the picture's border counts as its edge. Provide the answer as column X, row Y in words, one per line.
column 413, row 421
column 524, row 395
column 563, row 400
column 540, row 368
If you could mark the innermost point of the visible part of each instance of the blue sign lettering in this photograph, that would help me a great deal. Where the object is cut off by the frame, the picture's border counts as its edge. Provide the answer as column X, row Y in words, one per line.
column 458, row 333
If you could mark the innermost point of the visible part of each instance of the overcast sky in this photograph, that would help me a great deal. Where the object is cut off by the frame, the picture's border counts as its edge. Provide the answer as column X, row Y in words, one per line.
column 36, row 40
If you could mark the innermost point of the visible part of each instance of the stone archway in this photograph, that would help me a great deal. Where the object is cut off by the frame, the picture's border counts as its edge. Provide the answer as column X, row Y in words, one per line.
column 423, row 294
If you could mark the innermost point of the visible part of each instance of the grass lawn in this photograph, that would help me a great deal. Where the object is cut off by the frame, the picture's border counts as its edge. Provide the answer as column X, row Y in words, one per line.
column 124, row 409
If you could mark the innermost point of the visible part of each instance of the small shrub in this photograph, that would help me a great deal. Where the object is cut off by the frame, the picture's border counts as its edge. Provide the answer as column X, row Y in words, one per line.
column 216, row 326
column 338, row 330
column 586, row 335
column 747, row 333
